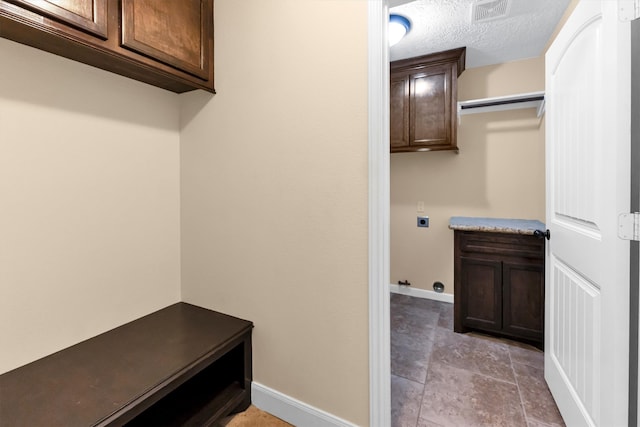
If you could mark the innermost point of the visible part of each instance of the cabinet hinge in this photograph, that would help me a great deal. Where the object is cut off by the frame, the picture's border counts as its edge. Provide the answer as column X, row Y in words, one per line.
column 629, row 226
column 628, row 10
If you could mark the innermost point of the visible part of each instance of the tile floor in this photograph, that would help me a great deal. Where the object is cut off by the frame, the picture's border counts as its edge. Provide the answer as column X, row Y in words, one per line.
column 440, row 378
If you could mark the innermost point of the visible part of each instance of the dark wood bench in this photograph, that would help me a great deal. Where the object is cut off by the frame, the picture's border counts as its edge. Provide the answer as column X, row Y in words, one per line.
column 180, row 366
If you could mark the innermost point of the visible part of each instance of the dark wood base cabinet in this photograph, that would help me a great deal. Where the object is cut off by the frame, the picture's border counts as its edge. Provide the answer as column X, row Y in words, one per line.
column 180, row 366
column 499, row 285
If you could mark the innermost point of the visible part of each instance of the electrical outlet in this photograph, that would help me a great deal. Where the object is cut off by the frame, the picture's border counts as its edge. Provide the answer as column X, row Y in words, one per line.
column 420, row 207
column 423, row 221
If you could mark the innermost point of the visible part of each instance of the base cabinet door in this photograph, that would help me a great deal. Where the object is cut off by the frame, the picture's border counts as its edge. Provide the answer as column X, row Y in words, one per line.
column 482, row 294
column 523, row 303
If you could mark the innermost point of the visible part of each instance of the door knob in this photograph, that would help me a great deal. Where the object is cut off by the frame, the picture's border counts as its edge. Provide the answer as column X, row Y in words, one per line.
column 542, row 234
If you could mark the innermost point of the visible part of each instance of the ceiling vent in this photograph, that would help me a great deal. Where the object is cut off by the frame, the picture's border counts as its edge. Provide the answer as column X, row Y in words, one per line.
column 489, row 10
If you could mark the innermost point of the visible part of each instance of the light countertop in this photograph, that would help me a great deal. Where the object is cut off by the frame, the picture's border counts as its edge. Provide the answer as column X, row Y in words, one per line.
column 496, row 225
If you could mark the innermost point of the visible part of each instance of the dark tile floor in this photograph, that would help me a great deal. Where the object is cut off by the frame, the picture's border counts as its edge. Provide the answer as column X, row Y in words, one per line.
column 440, row 378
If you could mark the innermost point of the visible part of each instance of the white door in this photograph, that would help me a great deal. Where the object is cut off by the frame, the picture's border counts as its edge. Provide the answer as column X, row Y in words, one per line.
column 587, row 270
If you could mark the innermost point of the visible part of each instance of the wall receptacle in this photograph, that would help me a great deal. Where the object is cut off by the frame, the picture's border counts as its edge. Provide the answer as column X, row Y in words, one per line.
column 423, row 221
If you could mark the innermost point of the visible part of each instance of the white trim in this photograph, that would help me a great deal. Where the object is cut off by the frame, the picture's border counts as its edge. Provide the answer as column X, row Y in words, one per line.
column 379, row 178
column 292, row 410
column 420, row 293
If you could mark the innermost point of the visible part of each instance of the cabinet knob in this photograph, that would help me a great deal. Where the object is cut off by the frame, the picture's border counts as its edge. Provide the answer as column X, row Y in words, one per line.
column 542, row 234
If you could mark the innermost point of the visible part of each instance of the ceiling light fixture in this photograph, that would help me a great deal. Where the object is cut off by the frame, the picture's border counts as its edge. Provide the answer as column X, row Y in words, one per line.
column 399, row 26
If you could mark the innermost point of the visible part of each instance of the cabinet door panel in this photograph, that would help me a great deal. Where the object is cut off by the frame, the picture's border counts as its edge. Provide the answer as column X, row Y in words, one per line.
column 481, row 293
column 146, row 25
column 431, row 107
column 523, row 305
column 86, row 15
column 399, row 128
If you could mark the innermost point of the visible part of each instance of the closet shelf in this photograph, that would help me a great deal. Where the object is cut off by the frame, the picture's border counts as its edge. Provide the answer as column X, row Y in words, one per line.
column 502, row 103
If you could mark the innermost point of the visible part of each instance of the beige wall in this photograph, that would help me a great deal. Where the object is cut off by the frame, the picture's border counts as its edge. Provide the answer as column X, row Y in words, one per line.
column 498, row 173
column 274, row 194
column 572, row 5
column 89, row 202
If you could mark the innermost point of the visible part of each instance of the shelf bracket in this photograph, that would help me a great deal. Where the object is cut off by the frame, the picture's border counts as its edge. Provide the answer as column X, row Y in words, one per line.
column 503, row 103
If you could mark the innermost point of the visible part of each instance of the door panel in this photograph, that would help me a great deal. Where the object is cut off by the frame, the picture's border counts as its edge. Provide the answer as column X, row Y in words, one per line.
column 87, row 15
column 399, row 111
column 523, row 303
column 481, row 293
column 146, row 23
column 431, row 119
column 576, row 314
column 587, row 272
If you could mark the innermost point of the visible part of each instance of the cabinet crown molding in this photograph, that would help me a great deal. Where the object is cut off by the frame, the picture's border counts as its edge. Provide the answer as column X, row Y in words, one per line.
column 457, row 56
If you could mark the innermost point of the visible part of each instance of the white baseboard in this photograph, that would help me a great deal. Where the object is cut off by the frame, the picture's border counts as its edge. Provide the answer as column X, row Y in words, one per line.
column 420, row 293
column 292, row 410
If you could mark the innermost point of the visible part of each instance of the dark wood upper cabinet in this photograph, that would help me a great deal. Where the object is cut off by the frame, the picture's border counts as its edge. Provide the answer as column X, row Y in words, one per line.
column 165, row 43
column 424, row 94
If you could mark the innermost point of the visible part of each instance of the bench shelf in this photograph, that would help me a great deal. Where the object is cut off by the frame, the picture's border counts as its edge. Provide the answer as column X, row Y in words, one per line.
column 180, row 366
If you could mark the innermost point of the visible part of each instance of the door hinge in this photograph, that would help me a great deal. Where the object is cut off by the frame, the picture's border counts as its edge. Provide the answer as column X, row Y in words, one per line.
column 628, row 10
column 629, row 226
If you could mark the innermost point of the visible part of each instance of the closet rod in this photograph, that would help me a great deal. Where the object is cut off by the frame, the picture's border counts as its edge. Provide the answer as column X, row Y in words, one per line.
column 505, row 102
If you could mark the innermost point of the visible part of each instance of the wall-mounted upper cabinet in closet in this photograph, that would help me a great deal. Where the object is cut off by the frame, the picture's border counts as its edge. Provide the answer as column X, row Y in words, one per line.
column 424, row 95
column 165, row 43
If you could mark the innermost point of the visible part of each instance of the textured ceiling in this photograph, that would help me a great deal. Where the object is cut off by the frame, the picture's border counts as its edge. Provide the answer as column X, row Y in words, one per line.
column 439, row 25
